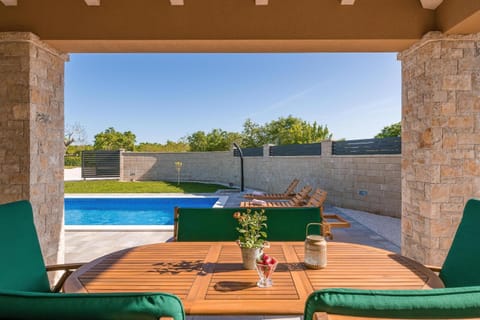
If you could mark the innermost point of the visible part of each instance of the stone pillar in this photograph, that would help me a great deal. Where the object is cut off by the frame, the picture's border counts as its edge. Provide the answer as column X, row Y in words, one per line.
column 327, row 148
column 440, row 141
column 32, row 132
column 266, row 150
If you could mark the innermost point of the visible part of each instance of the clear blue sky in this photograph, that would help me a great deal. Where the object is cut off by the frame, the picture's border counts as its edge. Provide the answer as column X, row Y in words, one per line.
column 162, row 97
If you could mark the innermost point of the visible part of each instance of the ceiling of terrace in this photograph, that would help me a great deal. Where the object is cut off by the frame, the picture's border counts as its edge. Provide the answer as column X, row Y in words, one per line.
column 237, row 25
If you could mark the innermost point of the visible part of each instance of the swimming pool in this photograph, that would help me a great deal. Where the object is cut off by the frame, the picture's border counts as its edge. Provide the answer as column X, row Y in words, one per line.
column 129, row 211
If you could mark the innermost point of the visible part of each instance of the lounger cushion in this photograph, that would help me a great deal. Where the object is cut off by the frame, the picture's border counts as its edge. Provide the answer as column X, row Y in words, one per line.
column 461, row 267
column 118, row 306
column 218, row 224
column 22, row 266
column 414, row 304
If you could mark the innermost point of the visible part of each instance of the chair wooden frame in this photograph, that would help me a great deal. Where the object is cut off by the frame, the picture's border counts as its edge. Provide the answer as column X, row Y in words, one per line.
column 67, row 269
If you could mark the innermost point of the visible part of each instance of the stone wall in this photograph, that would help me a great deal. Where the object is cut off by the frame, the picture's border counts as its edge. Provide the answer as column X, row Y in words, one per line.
column 440, row 141
column 369, row 183
column 196, row 166
column 31, row 133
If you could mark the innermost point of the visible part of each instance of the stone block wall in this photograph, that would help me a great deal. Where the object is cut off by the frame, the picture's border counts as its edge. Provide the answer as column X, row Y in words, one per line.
column 196, row 166
column 31, row 133
column 369, row 183
column 440, row 141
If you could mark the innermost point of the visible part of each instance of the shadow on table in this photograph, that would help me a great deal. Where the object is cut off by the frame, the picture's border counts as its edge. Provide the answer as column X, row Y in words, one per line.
column 204, row 268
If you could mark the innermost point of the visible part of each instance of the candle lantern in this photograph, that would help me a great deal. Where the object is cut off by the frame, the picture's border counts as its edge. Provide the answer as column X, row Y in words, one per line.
column 315, row 249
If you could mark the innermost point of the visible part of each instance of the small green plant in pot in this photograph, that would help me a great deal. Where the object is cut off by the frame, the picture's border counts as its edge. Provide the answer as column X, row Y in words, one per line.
column 252, row 235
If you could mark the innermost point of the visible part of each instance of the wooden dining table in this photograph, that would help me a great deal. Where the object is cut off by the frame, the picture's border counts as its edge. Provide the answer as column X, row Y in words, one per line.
column 210, row 279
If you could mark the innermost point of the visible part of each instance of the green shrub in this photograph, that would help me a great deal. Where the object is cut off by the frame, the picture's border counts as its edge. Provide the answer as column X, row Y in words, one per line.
column 73, row 161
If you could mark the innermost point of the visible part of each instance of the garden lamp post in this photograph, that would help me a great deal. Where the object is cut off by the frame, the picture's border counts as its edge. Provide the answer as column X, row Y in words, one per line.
column 178, row 166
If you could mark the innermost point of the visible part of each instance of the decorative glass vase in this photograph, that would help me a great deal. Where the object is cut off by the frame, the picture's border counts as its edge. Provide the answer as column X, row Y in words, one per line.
column 265, row 272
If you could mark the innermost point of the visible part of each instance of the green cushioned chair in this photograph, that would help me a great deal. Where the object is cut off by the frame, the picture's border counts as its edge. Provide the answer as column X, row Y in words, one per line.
column 218, row 224
column 448, row 303
column 25, row 291
column 459, row 273
column 462, row 264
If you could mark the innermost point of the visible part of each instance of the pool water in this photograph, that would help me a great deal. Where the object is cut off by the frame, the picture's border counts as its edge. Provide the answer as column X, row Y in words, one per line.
column 129, row 211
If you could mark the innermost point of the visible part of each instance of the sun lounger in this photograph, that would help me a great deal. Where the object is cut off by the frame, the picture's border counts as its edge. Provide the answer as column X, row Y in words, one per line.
column 330, row 221
column 288, row 194
column 317, row 199
column 297, row 201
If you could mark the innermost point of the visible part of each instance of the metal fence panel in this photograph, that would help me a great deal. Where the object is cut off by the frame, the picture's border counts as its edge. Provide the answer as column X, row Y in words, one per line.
column 310, row 149
column 391, row 145
column 249, row 152
column 101, row 164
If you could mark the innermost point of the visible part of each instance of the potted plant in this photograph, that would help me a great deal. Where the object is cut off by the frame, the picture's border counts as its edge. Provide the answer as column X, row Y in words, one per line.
column 252, row 235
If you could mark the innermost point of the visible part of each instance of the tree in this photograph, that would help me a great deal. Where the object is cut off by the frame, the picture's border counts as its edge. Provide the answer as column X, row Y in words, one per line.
column 76, row 150
column 289, row 130
column 394, row 130
column 74, row 134
column 170, row 146
column 215, row 140
column 197, row 141
column 111, row 139
column 253, row 135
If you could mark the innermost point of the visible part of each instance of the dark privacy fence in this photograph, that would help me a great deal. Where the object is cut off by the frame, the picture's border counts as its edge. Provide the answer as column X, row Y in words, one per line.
column 100, row 164
column 391, row 145
column 311, row 149
column 249, row 152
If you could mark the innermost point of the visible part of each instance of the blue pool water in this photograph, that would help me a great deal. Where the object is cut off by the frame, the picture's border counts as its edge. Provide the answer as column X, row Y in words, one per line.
column 128, row 211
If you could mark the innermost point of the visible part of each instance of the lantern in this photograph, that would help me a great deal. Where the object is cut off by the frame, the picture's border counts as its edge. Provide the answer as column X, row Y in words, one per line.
column 315, row 250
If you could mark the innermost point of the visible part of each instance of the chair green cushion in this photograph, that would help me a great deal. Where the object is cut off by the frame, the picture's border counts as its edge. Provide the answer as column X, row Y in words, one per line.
column 409, row 304
column 218, row 224
column 101, row 306
column 461, row 266
column 22, row 266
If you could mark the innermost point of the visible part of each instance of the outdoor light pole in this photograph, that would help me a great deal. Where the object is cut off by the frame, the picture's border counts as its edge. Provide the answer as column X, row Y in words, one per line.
column 241, row 166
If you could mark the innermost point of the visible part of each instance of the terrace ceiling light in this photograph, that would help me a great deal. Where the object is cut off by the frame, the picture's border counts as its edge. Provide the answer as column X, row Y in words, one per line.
column 261, row 2
column 92, row 2
column 176, row 2
column 431, row 4
column 426, row 4
column 9, row 2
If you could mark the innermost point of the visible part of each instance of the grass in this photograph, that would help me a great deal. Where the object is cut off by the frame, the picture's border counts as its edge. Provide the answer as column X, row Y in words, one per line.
column 113, row 186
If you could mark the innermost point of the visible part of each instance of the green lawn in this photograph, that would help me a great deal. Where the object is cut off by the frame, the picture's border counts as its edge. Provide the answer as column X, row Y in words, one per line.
column 113, row 186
